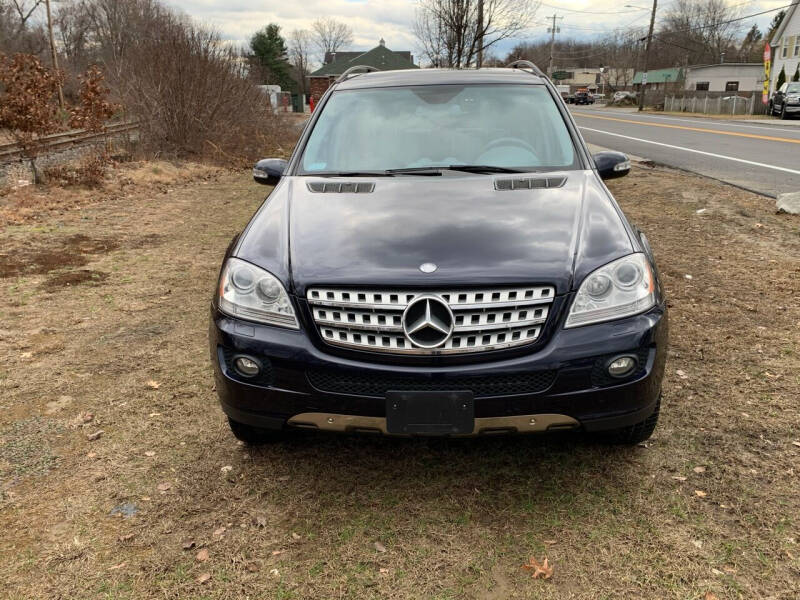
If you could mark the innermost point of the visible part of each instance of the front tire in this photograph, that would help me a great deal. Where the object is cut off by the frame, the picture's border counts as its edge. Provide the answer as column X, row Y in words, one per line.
column 784, row 116
column 633, row 434
column 253, row 436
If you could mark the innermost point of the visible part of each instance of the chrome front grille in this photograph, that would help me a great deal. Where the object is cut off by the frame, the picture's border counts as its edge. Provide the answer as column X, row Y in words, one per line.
column 483, row 319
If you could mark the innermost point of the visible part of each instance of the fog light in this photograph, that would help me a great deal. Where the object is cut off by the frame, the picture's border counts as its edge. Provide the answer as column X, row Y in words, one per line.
column 246, row 367
column 621, row 366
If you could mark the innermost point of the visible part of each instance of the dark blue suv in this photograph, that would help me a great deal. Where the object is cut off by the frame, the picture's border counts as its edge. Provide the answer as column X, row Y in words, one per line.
column 440, row 256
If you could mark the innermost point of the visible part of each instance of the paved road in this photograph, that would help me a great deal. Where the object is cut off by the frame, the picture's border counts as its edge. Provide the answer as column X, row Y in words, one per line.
column 764, row 157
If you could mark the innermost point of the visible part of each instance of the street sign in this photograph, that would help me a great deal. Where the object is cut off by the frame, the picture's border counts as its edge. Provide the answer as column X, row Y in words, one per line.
column 644, row 78
column 767, row 66
column 561, row 75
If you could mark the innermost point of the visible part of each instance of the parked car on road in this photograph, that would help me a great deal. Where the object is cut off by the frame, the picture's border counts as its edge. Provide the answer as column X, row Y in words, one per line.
column 785, row 102
column 583, row 97
column 474, row 276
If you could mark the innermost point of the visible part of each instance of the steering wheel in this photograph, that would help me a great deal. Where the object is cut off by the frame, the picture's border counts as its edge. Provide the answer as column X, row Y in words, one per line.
column 512, row 142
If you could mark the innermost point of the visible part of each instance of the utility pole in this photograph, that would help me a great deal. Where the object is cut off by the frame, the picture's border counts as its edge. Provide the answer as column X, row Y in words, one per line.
column 647, row 55
column 53, row 52
column 552, row 31
column 480, row 34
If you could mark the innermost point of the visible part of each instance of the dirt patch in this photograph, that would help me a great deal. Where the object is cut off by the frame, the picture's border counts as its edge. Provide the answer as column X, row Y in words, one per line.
column 710, row 504
column 72, row 278
column 54, row 253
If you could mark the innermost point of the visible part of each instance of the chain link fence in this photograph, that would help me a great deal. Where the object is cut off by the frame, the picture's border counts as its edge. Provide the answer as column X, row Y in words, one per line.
column 716, row 103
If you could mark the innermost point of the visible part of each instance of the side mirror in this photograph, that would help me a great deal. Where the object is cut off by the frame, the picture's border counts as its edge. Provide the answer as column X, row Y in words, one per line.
column 269, row 171
column 611, row 165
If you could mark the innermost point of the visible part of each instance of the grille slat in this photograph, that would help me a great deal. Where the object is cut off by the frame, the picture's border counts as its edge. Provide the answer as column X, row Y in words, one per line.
column 375, row 385
column 484, row 319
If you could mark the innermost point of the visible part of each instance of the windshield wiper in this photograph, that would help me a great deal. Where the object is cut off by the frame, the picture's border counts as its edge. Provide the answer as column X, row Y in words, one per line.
column 437, row 170
column 484, row 169
column 349, row 174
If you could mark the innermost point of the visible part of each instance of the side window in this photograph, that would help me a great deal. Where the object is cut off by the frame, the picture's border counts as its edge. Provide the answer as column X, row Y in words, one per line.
column 783, row 88
column 701, row 86
column 732, row 86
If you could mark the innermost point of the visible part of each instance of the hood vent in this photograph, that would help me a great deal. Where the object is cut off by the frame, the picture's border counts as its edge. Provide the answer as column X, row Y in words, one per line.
column 329, row 187
column 529, row 183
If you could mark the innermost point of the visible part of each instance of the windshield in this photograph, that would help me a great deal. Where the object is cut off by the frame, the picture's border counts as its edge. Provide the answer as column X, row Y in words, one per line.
column 793, row 88
column 506, row 126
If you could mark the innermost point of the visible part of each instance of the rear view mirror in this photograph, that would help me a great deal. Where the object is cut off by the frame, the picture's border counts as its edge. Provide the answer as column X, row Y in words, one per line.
column 269, row 171
column 611, row 165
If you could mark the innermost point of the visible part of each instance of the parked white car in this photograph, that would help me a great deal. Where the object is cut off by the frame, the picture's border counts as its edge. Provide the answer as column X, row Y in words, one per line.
column 622, row 95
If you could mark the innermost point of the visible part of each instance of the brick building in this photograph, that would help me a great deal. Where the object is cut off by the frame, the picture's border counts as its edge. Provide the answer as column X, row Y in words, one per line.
column 337, row 63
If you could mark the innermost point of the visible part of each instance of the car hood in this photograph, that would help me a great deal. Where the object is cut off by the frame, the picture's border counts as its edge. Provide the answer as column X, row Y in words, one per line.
column 474, row 233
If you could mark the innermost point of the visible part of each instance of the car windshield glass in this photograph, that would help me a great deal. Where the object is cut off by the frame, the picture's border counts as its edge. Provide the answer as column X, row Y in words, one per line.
column 512, row 126
column 793, row 88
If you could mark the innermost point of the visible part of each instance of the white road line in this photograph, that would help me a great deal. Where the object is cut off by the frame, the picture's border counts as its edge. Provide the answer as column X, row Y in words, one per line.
column 722, row 156
column 698, row 122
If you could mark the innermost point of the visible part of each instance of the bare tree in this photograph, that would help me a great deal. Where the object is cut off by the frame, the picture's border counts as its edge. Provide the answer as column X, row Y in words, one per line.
column 299, row 55
column 697, row 32
column 330, row 35
column 19, row 32
column 450, row 32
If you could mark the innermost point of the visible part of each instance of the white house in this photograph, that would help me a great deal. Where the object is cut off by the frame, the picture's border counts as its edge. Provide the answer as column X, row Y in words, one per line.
column 786, row 46
column 725, row 77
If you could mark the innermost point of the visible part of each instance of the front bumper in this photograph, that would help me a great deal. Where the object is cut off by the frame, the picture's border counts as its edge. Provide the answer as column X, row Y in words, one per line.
column 558, row 385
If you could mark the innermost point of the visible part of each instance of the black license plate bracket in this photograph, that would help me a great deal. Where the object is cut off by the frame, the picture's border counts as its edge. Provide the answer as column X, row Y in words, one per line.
column 430, row 413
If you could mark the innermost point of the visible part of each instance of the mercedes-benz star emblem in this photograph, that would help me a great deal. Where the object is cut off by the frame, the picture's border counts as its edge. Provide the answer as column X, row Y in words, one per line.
column 428, row 267
column 428, row 321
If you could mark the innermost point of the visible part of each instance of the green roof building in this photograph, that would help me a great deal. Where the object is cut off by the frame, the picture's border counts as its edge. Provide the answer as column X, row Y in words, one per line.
column 659, row 77
column 337, row 63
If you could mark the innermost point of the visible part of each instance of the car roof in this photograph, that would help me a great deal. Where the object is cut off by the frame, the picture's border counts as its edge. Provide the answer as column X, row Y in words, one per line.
column 438, row 77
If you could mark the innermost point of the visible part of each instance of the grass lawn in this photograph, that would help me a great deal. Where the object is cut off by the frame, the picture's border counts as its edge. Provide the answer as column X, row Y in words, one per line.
column 103, row 329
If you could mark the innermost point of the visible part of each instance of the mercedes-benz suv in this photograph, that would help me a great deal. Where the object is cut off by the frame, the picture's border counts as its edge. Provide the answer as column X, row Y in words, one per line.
column 440, row 256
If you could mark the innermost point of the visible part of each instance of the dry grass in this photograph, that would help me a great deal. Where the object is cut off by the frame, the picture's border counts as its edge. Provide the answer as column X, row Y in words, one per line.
column 457, row 519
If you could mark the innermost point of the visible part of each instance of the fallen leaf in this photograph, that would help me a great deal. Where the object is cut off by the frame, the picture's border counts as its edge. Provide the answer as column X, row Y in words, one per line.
column 219, row 531
column 153, row 385
column 163, row 487
column 203, row 577
column 687, row 276
column 261, row 521
column 796, row 444
column 682, row 374
column 697, row 543
column 679, row 478
column 551, row 542
column 202, row 556
column 275, row 573
column 91, row 455
column 284, row 478
column 95, row 436
column 295, row 536
column 149, row 453
column 543, row 569
column 252, row 567
column 277, row 552
column 700, row 493
column 380, row 547
column 126, row 537
column 188, row 545
column 717, row 572
column 710, row 596
column 383, row 570
column 119, row 566
column 226, row 468
column 699, row 469
column 154, row 415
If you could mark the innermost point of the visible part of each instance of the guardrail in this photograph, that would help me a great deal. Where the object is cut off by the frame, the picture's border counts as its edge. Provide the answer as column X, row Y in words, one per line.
column 10, row 152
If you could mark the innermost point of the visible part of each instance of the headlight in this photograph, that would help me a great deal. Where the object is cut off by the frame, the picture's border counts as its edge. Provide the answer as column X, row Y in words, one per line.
column 250, row 293
column 619, row 289
column 793, row 97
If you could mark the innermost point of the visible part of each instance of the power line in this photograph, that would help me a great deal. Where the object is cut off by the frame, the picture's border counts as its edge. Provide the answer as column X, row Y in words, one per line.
column 587, row 12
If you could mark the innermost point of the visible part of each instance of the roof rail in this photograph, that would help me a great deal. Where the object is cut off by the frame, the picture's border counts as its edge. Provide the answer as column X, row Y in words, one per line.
column 526, row 64
column 356, row 69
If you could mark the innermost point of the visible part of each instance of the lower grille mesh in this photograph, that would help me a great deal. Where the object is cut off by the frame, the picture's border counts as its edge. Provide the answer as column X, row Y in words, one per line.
column 377, row 385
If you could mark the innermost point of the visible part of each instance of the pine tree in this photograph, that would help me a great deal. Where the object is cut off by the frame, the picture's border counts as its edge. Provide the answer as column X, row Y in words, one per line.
column 269, row 50
column 781, row 79
column 796, row 76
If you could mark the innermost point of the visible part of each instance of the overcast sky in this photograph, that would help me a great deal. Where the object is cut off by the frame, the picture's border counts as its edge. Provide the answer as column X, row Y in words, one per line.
column 392, row 20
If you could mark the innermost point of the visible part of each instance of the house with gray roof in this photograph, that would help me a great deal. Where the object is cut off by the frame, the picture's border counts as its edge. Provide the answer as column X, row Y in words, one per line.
column 336, row 63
